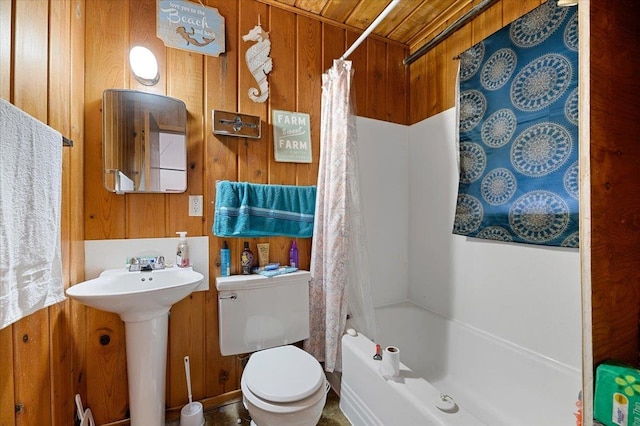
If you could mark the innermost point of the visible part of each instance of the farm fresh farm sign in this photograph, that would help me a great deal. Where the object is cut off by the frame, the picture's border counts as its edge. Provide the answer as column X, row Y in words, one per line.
column 291, row 137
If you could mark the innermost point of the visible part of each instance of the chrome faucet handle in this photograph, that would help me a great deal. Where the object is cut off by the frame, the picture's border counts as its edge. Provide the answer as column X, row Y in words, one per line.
column 146, row 263
column 134, row 264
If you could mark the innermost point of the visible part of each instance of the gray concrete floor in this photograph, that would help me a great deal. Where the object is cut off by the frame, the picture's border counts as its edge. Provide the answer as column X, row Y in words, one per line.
column 228, row 415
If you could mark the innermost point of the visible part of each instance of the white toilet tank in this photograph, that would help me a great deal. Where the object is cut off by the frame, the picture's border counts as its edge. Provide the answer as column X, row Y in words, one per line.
column 257, row 312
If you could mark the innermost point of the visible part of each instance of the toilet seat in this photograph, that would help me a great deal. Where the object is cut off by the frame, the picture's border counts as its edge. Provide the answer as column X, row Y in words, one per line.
column 283, row 374
column 284, row 407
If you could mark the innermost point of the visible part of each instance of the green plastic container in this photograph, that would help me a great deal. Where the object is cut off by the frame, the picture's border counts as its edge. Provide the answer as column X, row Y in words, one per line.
column 617, row 395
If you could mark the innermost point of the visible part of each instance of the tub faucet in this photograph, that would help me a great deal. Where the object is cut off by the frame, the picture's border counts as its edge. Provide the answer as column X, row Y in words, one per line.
column 146, row 263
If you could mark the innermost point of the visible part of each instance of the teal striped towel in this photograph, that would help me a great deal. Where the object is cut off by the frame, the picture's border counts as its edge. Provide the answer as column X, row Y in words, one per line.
column 256, row 210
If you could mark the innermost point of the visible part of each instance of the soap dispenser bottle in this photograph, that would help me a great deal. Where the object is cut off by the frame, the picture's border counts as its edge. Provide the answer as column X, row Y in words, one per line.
column 182, row 251
column 225, row 260
column 293, row 255
column 246, row 259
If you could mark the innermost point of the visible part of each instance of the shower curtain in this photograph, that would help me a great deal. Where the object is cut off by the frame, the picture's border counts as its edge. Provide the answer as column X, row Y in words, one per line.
column 340, row 282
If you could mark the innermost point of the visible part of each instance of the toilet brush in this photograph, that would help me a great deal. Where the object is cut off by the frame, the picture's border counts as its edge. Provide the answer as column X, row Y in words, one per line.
column 192, row 413
column 187, row 371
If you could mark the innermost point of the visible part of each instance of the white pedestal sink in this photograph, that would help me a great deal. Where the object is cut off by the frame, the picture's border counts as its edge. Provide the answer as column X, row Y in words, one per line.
column 142, row 299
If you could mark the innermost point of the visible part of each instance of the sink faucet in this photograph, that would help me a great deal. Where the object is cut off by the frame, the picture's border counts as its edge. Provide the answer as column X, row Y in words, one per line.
column 146, row 263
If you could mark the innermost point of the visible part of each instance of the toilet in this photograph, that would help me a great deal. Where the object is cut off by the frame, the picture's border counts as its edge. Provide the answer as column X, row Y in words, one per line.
column 281, row 384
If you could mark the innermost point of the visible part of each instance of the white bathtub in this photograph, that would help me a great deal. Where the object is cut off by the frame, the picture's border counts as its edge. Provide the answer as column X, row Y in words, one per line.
column 368, row 399
column 493, row 382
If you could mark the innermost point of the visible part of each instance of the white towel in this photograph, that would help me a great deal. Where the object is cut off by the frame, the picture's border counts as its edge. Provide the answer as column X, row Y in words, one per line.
column 30, row 203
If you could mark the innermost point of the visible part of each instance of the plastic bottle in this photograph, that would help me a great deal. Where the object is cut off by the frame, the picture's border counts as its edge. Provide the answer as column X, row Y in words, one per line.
column 225, row 260
column 182, row 251
column 293, row 255
column 246, row 259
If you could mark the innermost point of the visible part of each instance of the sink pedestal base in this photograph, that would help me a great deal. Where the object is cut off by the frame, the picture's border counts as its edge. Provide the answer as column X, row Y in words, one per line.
column 146, row 369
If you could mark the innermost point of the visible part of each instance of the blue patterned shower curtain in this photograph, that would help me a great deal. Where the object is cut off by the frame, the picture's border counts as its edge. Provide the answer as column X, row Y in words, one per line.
column 518, row 131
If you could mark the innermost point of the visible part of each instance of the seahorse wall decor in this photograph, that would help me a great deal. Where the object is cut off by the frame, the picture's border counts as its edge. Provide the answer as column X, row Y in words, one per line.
column 259, row 62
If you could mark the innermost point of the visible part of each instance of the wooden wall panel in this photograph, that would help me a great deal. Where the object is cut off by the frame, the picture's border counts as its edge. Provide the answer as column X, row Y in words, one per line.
column 487, row 23
column 437, row 93
column 31, row 334
column 187, row 320
column 105, row 212
column 376, row 101
column 333, row 45
column 39, row 353
column 418, row 82
column 185, row 71
column 6, row 8
column 77, row 316
column 511, row 12
column 454, row 46
column 252, row 156
column 309, row 95
column 105, row 69
column 397, row 99
column 283, row 96
column 7, row 394
column 283, row 88
column 615, row 193
column 221, row 163
column 359, row 60
column 7, row 370
column 61, row 363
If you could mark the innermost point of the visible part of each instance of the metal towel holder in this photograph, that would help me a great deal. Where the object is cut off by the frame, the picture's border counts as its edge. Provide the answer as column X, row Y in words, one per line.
column 236, row 124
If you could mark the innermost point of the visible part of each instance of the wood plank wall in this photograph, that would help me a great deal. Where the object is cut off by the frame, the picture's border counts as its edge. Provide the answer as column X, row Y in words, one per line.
column 615, row 192
column 433, row 76
column 302, row 48
column 42, row 72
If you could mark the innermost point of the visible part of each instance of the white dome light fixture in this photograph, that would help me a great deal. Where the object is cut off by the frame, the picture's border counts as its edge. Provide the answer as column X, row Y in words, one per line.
column 144, row 65
column 566, row 3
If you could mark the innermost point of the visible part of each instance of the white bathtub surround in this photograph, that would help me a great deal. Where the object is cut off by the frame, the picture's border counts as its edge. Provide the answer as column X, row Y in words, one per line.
column 113, row 254
column 383, row 151
column 518, row 301
column 525, row 294
column 500, row 382
column 339, row 262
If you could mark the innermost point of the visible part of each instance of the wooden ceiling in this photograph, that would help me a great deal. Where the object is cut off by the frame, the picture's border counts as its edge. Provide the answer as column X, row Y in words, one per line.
column 411, row 22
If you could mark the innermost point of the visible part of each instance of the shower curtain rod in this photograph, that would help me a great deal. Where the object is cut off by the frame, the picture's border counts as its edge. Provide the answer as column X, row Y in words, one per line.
column 477, row 10
column 370, row 28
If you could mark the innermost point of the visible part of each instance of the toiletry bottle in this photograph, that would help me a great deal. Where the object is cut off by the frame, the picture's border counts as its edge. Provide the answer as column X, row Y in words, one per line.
column 293, row 255
column 246, row 259
column 225, row 260
column 182, row 250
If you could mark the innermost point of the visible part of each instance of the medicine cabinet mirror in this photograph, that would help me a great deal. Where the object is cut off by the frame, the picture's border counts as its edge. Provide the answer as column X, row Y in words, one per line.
column 144, row 142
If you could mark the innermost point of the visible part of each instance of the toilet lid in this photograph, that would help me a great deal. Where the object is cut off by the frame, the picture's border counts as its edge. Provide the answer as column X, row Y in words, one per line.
column 283, row 374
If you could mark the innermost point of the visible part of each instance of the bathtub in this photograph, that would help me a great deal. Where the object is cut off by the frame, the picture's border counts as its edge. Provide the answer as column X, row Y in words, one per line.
column 492, row 382
column 367, row 398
